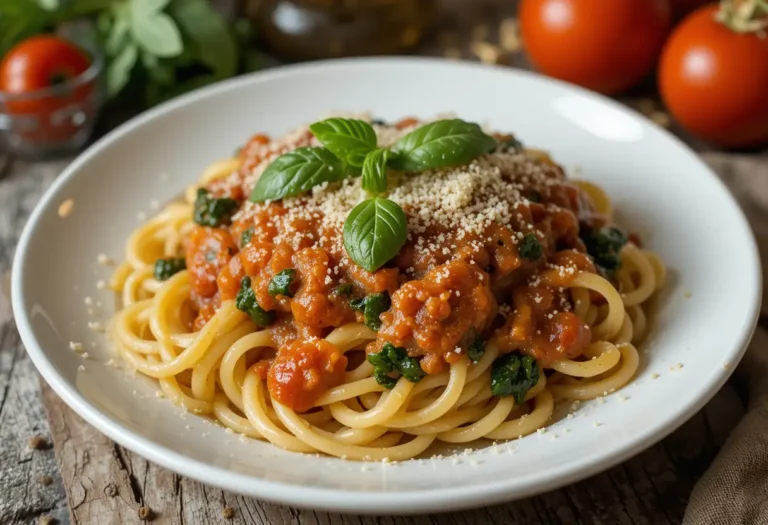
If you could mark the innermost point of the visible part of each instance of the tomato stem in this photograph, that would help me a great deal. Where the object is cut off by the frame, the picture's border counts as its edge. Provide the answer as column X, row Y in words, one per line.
column 744, row 16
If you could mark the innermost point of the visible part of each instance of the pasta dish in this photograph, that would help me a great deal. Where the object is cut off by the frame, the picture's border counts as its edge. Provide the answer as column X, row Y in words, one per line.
column 364, row 289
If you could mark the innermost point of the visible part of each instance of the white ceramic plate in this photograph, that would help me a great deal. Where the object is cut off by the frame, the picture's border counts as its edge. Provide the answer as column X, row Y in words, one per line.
column 660, row 187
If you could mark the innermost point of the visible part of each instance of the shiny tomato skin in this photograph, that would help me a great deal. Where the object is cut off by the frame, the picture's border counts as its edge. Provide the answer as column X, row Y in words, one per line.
column 606, row 46
column 40, row 62
column 37, row 63
column 715, row 81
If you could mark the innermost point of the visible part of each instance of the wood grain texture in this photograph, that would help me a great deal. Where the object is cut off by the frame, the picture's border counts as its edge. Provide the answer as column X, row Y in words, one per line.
column 23, row 497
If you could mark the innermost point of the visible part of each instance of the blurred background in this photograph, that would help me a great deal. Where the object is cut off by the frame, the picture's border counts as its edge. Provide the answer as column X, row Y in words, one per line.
column 72, row 69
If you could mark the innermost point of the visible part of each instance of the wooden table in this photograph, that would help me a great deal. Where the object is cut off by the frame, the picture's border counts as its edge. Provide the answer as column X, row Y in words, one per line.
column 85, row 478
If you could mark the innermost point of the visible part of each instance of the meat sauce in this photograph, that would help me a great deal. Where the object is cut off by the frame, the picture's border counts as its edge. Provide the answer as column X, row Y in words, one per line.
column 440, row 299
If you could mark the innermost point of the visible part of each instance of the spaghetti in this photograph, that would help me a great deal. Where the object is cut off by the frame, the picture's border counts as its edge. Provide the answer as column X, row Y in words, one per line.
column 512, row 292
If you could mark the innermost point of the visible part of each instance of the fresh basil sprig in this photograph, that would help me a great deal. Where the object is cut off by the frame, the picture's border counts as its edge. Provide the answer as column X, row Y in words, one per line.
column 374, row 232
column 349, row 139
column 296, row 172
column 375, row 229
column 375, row 171
column 440, row 144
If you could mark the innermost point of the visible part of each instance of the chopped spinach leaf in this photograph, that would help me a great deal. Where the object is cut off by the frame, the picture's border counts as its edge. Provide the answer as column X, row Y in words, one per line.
column 530, row 248
column 476, row 350
column 344, row 289
column 394, row 360
column 372, row 306
column 280, row 284
column 213, row 212
column 246, row 236
column 604, row 245
column 165, row 268
column 246, row 302
column 514, row 374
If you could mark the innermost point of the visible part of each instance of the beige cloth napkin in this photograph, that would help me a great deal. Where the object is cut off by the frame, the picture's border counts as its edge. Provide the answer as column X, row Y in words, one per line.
column 734, row 490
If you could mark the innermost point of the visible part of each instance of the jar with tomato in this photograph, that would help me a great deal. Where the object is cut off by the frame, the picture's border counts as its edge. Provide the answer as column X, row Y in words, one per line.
column 304, row 29
column 49, row 96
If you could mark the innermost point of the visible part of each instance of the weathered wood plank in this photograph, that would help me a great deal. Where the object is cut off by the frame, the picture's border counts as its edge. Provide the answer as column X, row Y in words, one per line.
column 29, row 482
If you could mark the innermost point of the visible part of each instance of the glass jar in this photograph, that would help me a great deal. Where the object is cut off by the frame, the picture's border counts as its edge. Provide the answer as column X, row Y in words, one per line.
column 304, row 29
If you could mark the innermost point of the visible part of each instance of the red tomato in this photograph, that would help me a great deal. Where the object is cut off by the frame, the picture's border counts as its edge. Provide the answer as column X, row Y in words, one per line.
column 604, row 45
column 37, row 63
column 715, row 81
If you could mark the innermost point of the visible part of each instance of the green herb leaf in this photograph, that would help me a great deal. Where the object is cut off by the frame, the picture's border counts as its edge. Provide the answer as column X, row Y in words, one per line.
column 155, row 31
column 375, row 171
column 119, row 31
column 440, row 144
column 212, row 212
column 166, row 268
column 476, row 350
column 150, row 7
column 246, row 302
column 343, row 290
column 119, row 69
column 280, row 284
column 392, row 361
column 374, row 232
column 383, row 378
column 246, row 236
column 514, row 374
column 604, row 245
column 296, row 172
column 208, row 32
column 372, row 306
column 530, row 248
column 349, row 139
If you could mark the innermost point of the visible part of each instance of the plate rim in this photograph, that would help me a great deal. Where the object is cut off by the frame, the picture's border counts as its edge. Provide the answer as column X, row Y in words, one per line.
column 340, row 500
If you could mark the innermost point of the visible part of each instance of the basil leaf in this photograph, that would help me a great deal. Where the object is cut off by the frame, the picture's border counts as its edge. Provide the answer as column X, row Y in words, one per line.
column 296, row 172
column 150, row 7
column 440, row 144
column 349, row 139
column 374, row 232
column 208, row 33
column 119, row 69
column 153, row 30
column 375, row 171
column 118, row 35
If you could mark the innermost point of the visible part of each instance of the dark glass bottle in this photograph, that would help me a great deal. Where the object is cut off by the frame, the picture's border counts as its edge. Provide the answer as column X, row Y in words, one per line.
column 304, row 29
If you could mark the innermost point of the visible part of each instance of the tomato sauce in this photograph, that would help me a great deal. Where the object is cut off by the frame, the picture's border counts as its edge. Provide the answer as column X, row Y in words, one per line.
column 471, row 285
column 303, row 370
